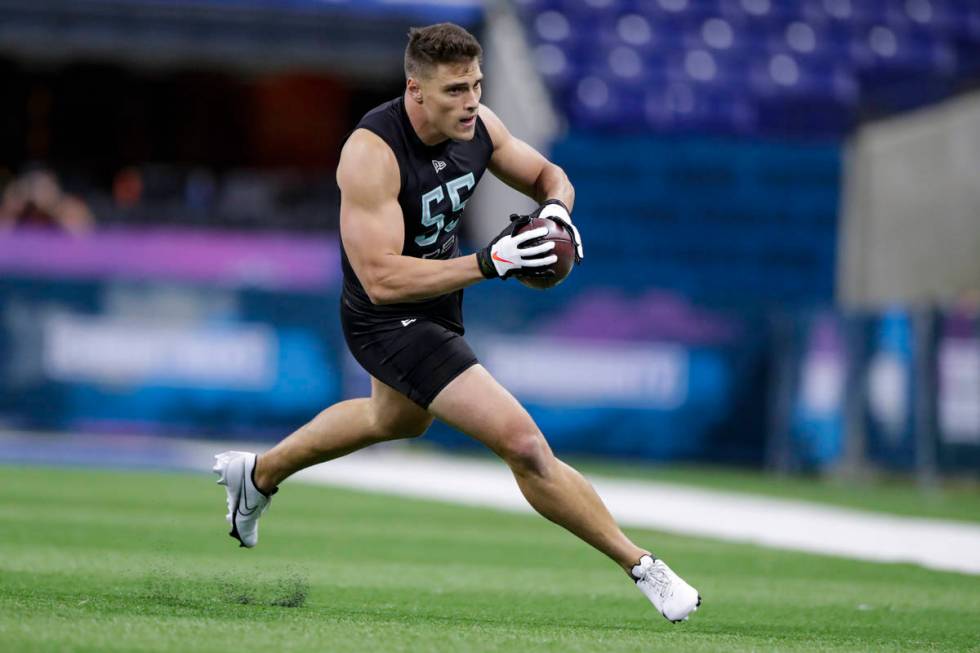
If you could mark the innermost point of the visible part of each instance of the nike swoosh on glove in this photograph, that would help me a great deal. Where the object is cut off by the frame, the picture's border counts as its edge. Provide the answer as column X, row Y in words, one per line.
column 507, row 253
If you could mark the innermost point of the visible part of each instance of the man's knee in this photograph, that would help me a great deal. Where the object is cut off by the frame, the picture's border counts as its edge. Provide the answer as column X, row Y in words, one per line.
column 527, row 453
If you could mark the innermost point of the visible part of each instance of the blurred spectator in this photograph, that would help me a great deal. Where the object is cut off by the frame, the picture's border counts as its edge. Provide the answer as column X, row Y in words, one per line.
column 127, row 188
column 154, row 194
column 200, row 190
column 286, row 199
column 36, row 199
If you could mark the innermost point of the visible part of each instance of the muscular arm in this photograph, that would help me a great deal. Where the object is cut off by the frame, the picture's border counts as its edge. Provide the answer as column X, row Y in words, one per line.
column 373, row 230
column 522, row 167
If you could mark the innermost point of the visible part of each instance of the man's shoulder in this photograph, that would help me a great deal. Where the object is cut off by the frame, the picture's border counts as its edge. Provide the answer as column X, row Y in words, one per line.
column 367, row 160
column 363, row 140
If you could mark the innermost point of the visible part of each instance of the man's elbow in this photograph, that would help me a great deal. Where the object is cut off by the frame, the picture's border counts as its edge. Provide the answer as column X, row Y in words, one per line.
column 377, row 295
column 380, row 299
column 376, row 280
column 381, row 293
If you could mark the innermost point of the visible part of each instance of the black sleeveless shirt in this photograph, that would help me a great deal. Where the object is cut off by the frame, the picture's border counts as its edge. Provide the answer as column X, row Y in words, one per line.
column 436, row 182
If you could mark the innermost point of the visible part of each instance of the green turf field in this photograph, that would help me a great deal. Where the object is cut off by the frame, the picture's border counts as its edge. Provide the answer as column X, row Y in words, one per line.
column 104, row 561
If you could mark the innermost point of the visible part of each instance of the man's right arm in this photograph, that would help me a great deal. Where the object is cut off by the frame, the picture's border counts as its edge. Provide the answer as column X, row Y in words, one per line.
column 373, row 230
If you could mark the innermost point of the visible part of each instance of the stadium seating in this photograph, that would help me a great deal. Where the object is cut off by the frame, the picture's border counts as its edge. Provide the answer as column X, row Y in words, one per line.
column 736, row 65
column 710, row 130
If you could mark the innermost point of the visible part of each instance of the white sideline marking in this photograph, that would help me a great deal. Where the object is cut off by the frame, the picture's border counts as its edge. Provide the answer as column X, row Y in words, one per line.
column 737, row 517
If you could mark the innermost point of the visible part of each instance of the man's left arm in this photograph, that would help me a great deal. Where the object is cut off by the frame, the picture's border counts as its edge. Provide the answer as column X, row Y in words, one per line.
column 524, row 169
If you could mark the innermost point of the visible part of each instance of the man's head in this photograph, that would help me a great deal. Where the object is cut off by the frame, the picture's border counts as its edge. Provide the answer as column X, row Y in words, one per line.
column 443, row 77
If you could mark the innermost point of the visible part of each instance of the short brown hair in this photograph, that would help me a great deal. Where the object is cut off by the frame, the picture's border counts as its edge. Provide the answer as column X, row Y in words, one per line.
column 436, row 44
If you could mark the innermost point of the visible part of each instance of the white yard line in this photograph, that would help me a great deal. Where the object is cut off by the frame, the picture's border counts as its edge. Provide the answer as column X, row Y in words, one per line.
column 731, row 516
column 736, row 517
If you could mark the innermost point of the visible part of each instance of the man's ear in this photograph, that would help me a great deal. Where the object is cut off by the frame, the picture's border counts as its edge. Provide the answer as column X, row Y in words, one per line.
column 414, row 90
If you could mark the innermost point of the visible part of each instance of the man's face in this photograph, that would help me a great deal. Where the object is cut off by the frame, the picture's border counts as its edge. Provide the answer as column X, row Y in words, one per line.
column 451, row 98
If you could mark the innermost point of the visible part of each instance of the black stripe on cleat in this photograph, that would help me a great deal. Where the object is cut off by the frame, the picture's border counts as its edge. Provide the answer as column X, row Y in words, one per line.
column 234, row 532
column 234, row 524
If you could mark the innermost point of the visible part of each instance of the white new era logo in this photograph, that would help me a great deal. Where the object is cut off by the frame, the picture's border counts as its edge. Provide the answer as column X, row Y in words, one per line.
column 438, row 165
column 407, row 322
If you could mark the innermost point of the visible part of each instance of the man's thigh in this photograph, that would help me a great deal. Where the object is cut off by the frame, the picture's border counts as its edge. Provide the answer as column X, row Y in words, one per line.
column 396, row 412
column 476, row 404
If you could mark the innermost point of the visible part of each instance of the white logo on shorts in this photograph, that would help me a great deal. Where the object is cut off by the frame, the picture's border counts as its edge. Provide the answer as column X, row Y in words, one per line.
column 405, row 323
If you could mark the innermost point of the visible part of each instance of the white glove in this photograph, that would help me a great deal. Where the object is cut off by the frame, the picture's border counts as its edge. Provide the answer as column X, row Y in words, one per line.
column 504, row 255
column 556, row 210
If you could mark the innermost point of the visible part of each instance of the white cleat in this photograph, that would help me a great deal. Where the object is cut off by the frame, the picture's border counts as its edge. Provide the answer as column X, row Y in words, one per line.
column 246, row 503
column 668, row 592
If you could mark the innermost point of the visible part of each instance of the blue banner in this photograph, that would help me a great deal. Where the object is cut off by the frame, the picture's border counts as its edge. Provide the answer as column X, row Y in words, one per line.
column 644, row 377
column 891, row 373
column 111, row 356
column 817, row 423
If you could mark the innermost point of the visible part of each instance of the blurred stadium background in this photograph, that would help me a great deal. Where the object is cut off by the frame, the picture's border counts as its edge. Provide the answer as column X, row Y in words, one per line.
column 779, row 201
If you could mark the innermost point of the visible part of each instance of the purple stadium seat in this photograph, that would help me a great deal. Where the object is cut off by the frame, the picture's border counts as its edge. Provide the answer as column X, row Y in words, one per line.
column 936, row 16
column 901, row 69
column 883, row 47
column 966, row 40
column 553, row 26
column 816, row 95
column 782, row 74
column 665, row 9
column 622, row 62
column 599, row 104
column 807, row 38
column 760, row 10
column 679, row 106
column 846, row 11
column 636, row 30
column 703, row 67
column 557, row 69
column 531, row 8
column 719, row 33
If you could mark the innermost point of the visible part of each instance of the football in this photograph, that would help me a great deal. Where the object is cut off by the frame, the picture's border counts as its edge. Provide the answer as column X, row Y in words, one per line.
column 564, row 250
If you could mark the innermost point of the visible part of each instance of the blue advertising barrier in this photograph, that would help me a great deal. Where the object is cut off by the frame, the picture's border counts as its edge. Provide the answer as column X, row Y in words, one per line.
column 182, row 359
column 603, row 372
column 642, row 400
column 634, row 375
column 166, row 359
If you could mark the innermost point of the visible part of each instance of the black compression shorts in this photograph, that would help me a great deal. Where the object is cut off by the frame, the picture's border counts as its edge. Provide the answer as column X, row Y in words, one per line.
column 415, row 355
